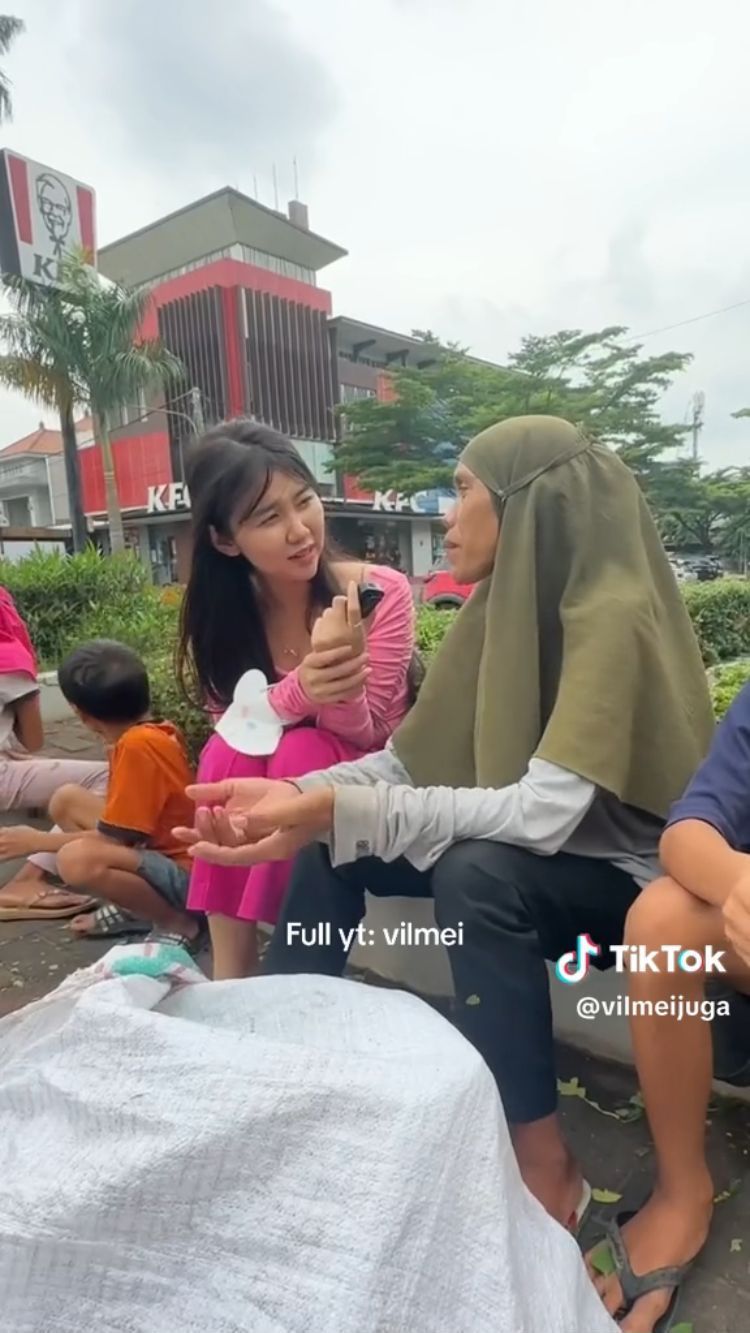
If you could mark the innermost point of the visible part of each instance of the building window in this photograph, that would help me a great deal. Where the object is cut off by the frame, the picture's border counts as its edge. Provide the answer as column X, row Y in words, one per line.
column 379, row 542
column 284, row 267
column 18, row 512
column 289, row 366
column 352, row 393
column 246, row 254
column 360, row 360
column 128, row 413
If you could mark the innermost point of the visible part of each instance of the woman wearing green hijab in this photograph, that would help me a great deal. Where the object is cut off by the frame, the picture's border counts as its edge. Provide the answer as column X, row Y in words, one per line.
column 527, row 789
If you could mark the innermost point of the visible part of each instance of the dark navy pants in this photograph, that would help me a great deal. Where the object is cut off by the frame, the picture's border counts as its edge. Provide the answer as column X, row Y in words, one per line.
column 517, row 909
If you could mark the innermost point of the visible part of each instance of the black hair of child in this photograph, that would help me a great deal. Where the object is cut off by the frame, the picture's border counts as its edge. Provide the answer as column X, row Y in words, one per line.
column 107, row 681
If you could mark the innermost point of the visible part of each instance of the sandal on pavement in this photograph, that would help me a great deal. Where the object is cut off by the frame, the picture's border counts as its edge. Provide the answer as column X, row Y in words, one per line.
column 633, row 1285
column 173, row 940
column 110, row 921
column 47, row 904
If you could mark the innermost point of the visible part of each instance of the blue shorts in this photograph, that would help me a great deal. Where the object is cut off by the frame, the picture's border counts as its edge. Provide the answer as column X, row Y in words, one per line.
column 169, row 879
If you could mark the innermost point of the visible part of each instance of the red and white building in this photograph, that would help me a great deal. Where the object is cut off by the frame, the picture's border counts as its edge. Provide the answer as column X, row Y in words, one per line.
column 236, row 297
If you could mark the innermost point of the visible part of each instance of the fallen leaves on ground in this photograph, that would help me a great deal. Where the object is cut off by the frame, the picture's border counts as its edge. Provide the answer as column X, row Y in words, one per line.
column 734, row 1188
column 602, row 1260
column 625, row 1114
column 605, row 1196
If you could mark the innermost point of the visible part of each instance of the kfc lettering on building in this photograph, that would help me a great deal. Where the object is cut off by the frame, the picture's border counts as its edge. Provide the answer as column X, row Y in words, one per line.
column 424, row 503
column 168, row 498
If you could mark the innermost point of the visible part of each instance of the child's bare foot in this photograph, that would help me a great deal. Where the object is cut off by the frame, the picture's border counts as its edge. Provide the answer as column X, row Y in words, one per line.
column 83, row 925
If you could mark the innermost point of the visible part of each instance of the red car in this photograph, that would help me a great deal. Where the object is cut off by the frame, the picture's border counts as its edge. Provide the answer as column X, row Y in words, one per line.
column 441, row 590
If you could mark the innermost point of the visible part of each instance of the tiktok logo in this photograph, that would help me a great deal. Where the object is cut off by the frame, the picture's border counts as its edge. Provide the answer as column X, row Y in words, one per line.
column 574, row 966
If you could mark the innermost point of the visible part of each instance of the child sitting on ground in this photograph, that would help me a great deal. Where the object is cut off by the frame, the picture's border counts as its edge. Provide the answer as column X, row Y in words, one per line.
column 120, row 847
column 696, row 906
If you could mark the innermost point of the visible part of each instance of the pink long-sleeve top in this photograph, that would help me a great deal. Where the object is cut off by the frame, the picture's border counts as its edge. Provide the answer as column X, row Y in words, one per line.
column 373, row 716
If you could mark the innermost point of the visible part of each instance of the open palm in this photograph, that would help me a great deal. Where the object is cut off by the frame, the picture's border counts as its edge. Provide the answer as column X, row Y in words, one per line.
column 246, row 821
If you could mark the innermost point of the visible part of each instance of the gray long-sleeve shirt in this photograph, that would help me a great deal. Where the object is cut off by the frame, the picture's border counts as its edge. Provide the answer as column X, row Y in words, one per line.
column 379, row 812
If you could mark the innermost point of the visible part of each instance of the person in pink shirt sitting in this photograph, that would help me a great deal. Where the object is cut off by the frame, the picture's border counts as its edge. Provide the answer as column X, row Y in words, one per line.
column 267, row 594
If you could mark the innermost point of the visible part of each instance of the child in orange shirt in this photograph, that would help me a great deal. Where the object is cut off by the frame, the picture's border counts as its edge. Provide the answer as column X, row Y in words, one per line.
column 120, row 848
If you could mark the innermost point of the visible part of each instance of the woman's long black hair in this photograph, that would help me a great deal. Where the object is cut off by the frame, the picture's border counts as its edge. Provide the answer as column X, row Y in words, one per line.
column 222, row 632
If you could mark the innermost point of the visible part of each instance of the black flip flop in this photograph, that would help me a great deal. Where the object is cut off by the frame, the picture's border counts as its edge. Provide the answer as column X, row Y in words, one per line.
column 634, row 1286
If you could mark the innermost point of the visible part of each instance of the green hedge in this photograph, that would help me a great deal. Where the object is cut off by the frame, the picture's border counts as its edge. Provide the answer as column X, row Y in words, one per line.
column 720, row 612
column 726, row 683
column 66, row 600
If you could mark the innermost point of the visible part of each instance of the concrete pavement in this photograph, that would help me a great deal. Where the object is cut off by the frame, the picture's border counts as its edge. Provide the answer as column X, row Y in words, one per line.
column 36, row 955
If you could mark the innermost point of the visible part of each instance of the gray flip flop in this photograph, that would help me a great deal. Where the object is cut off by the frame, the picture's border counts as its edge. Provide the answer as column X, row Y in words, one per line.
column 633, row 1285
column 110, row 921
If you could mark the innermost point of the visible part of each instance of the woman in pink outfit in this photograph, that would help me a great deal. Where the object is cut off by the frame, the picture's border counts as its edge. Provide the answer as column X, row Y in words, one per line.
column 266, row 593
column 29, row 780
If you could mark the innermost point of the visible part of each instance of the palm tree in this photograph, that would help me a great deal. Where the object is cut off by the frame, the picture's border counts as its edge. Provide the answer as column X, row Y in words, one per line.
column 36, row 363
column 78, row 345
column 10, row 28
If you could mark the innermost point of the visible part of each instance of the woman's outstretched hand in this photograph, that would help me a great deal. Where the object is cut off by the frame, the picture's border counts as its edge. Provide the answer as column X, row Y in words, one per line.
column 245, row 821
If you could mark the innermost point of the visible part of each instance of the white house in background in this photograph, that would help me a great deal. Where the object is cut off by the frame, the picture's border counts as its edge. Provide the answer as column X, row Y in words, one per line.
column 33, row 492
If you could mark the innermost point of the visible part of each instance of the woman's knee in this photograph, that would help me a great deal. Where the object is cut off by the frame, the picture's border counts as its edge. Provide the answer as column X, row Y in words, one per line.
column 219, row 761
column 303, row 750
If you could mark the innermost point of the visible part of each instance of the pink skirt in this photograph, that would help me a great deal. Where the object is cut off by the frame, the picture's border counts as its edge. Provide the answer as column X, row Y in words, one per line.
column 257, row 894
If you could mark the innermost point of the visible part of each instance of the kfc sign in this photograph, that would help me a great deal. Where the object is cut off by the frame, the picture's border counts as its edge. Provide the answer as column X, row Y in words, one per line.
column 425, row 503
column 167, row 498
column 44, row 215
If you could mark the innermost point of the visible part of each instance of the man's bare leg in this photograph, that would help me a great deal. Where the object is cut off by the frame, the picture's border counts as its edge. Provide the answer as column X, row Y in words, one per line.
column 675, row 1067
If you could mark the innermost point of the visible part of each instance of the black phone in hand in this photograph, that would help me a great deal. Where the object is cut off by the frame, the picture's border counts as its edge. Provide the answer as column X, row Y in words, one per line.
column 370, row 596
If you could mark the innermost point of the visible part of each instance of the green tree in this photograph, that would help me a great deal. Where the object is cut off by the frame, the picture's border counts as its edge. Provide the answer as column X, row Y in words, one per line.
column 78, row 345
column 710, row 513
column 596, row 380
column 10, row 28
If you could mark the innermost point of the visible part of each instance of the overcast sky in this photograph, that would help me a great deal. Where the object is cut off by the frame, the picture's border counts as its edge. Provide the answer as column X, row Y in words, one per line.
column 493, row 170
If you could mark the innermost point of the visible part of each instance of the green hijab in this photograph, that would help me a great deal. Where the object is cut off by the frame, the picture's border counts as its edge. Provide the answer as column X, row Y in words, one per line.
column 578, row 648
